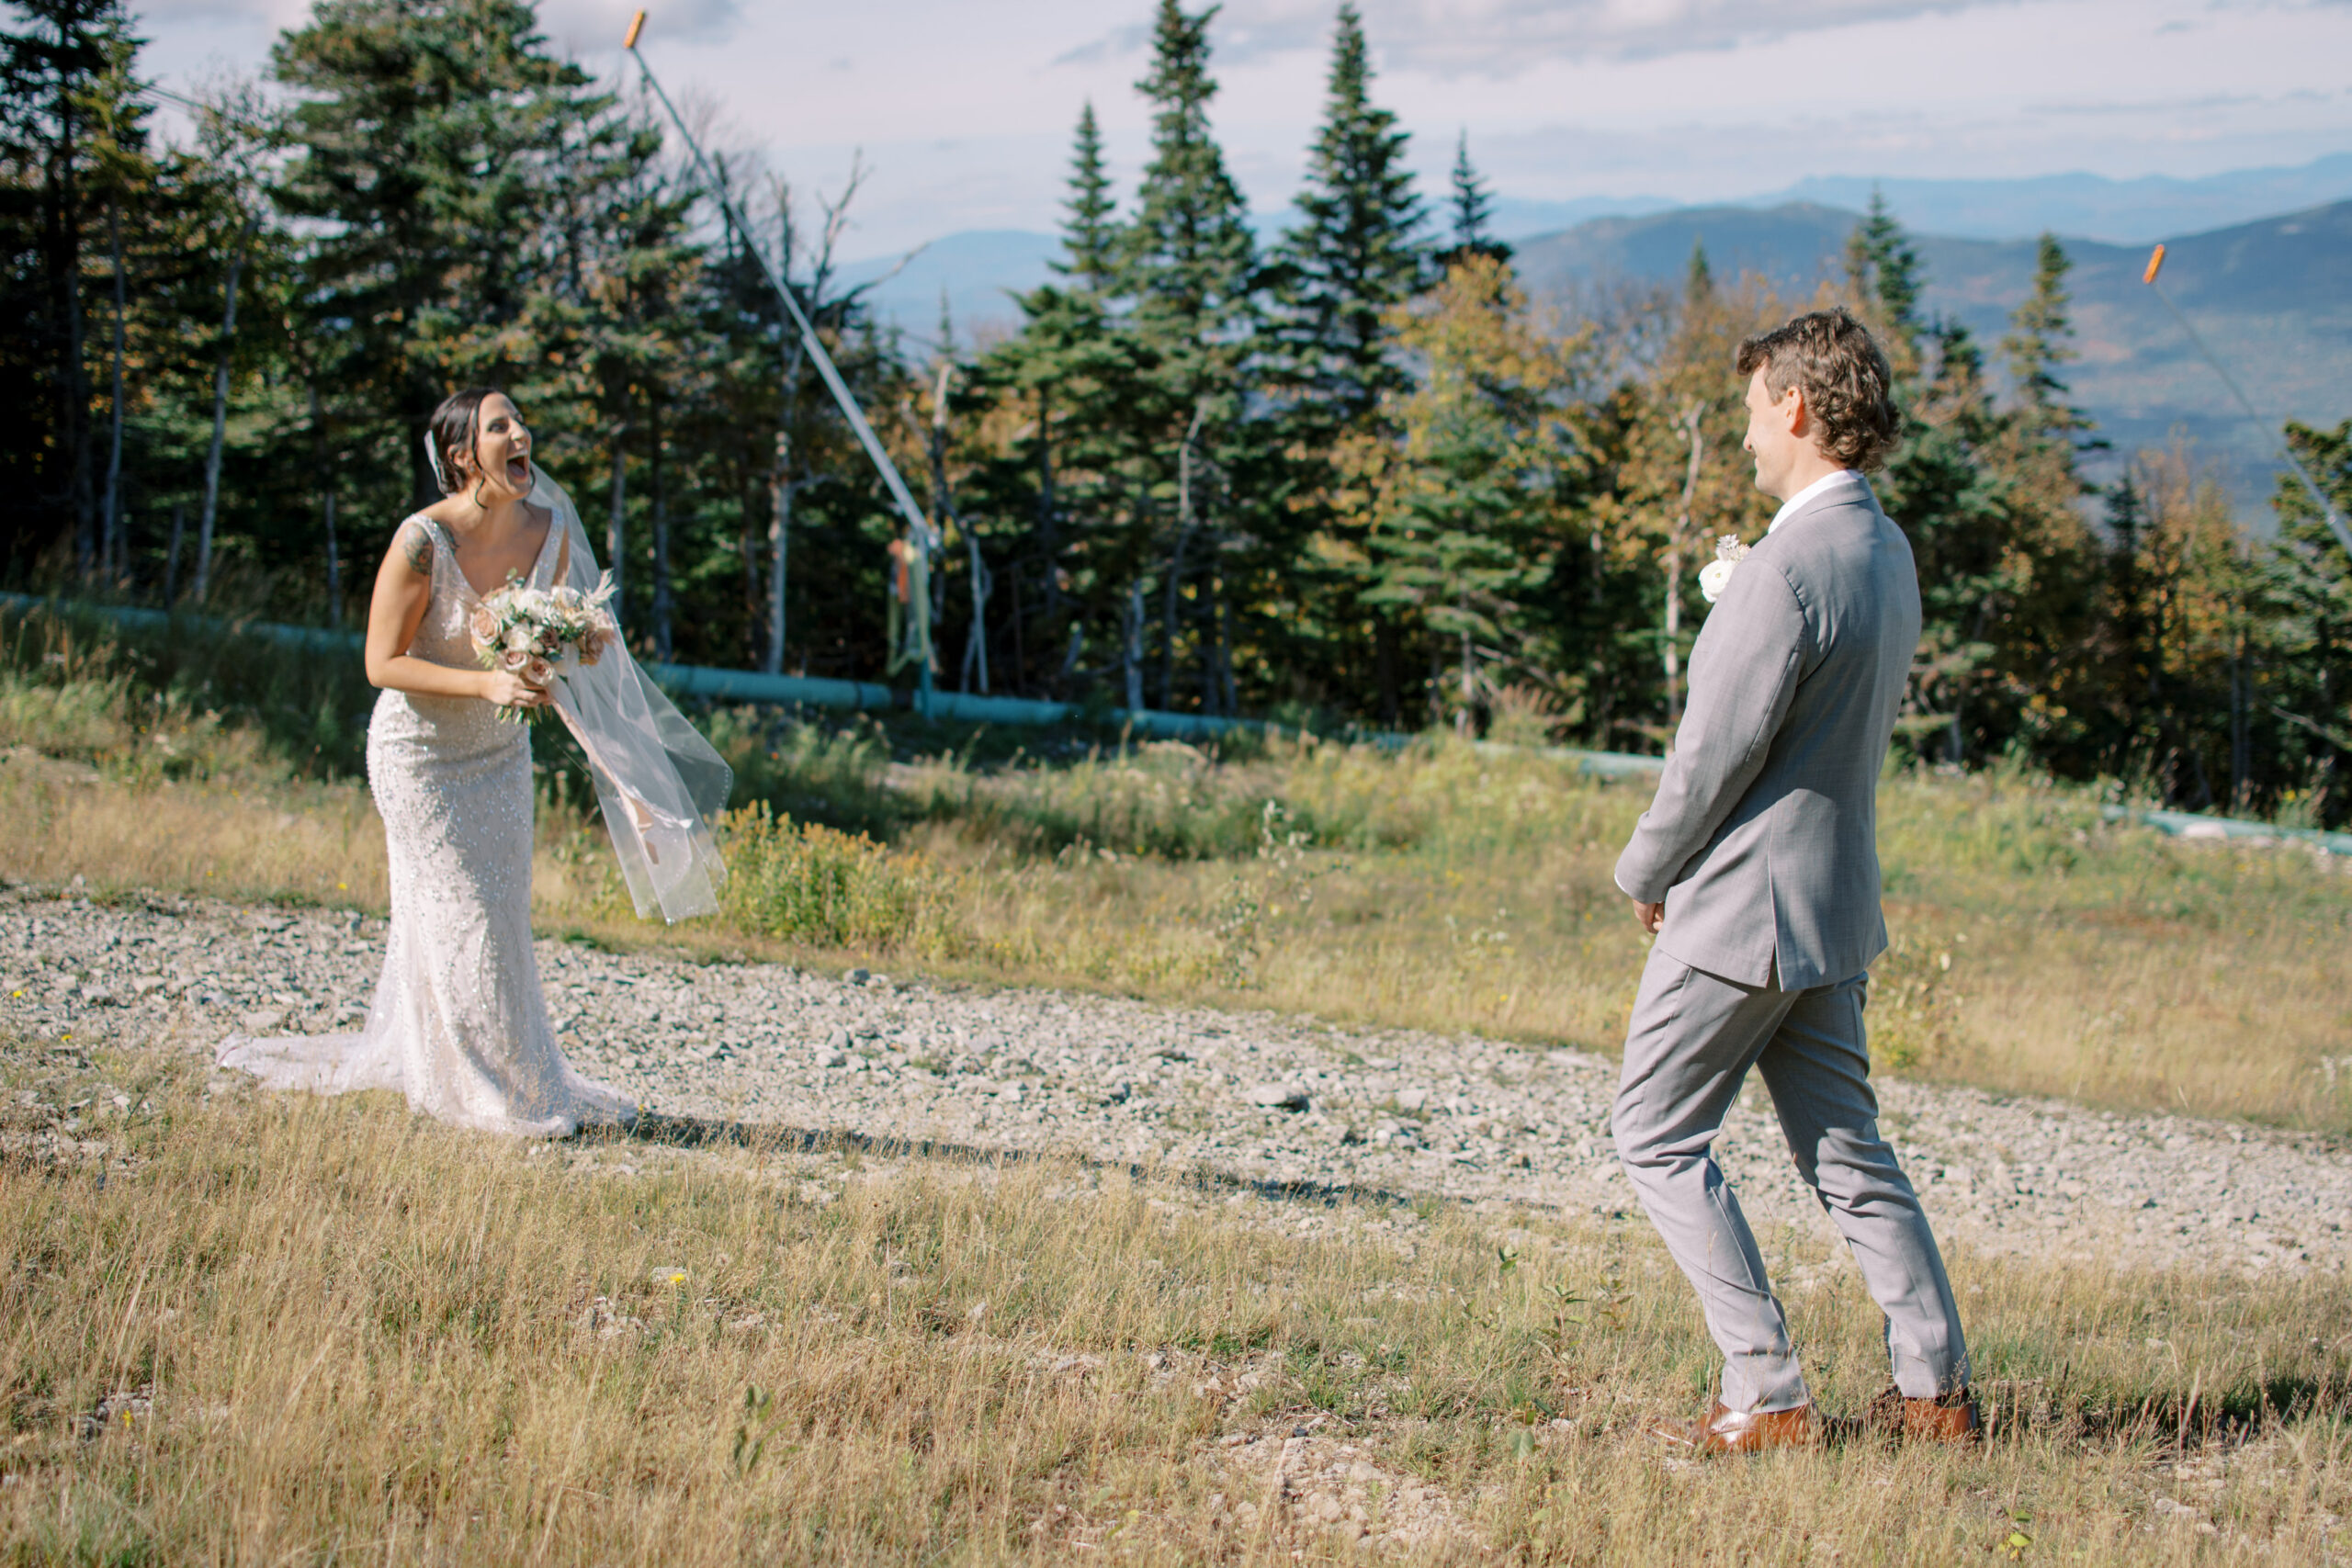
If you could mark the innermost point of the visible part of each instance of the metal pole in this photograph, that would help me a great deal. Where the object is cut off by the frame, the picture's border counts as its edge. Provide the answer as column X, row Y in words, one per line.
column 2319, row 498
column 832, row 377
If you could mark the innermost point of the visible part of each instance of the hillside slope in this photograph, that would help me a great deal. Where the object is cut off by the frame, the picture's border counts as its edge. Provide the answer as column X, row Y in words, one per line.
column 2273, row 298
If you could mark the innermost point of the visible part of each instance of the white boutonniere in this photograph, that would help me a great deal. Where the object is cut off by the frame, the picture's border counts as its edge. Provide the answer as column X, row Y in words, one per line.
column 1715, row 576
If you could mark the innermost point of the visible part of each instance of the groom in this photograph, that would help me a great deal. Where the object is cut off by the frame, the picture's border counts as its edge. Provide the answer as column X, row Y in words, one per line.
column 1756, row 867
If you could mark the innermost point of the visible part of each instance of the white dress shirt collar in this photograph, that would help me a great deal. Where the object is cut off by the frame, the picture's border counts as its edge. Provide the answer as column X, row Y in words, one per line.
column 1798, row 502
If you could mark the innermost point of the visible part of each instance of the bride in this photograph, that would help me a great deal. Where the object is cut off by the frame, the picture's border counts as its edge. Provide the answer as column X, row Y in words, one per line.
column 459, row 1023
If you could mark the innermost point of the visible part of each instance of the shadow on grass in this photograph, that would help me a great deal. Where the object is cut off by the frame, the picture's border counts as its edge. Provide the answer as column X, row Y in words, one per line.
column 764, row 1137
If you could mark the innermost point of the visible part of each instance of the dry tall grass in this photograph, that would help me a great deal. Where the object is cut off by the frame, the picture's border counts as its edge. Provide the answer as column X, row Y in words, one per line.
column 278, row 1329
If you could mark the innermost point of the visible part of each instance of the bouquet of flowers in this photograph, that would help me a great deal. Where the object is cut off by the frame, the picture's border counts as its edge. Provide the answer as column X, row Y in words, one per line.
column 539, row 633
column 1715, row 576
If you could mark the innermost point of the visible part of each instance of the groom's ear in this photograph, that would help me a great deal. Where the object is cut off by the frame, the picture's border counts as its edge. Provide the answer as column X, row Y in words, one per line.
column 1802, row 424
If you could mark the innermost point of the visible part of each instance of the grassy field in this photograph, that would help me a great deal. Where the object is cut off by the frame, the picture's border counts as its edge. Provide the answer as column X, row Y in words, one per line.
column 2037, row 947
column 255, row 1328
column 252, row 1328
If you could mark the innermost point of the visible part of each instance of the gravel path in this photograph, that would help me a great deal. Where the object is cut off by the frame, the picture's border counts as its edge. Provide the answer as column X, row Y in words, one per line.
column 1250, row 1095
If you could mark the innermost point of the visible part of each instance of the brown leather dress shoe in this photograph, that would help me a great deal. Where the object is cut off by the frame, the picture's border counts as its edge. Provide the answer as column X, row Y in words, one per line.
column 1946, row 1419
column 1744, row 1432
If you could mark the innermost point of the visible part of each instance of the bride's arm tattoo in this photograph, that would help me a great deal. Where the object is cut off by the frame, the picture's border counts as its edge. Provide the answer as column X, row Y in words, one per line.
column 416, row 544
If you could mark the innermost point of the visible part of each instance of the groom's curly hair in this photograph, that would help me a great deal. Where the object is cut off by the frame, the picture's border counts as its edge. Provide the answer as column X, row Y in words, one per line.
column 1848, row 385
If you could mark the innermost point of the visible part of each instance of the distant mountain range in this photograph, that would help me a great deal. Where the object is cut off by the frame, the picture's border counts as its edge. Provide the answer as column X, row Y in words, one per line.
column 2090, row 206
column 978, row 267
column 2273, row 296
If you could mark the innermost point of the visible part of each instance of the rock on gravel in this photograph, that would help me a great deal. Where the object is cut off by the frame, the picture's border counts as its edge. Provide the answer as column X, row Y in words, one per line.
column 1253, row 1096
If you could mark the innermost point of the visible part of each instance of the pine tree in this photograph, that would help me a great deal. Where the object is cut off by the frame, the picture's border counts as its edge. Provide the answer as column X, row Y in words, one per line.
column 2038, row 344
column 1189, row 267
column 1073, row 375
column 1337, row 279
column 1883, row 268
column 432, row 134
column 1697, row 278
column 1460, row 515
column 1355, row 255
column 1091, row 228
column 49, row 68
column 1188, row 261
column 1471, row 211
column 2306, row 674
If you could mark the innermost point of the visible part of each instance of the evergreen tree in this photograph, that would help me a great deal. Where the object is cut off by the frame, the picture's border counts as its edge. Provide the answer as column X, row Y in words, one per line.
column 1470, row 211
column 1189, row 267
column 1884, row 272
column 1091, row 228
column 1698, row 277
column 1073, row 375
column 1460, row 515
column 51, row 69
column 1188, row 261
column 2036, row 344
column 2304, row 687
column 1355, row 257
column 1355, row 254
column 432, row 135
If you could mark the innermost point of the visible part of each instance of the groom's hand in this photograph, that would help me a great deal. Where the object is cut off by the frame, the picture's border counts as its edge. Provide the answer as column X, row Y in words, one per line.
column 1649, row 917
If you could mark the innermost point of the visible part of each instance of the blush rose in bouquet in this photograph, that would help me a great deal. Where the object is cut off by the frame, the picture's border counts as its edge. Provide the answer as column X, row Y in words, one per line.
column 540, row 633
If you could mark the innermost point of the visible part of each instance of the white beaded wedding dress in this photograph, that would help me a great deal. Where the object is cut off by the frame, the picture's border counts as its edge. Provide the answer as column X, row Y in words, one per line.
column 459, row 1023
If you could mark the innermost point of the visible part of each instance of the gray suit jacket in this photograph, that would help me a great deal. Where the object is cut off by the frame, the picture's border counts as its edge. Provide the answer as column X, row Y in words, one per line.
column 1763, row 839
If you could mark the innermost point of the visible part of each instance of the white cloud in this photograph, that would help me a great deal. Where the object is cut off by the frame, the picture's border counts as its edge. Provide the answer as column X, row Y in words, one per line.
column 579, row 24
column 964, row 109
column 1503, row 37
column 171, row 13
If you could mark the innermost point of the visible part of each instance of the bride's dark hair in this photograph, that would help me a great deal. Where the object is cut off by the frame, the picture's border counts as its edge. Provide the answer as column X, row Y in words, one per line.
column 456, row 427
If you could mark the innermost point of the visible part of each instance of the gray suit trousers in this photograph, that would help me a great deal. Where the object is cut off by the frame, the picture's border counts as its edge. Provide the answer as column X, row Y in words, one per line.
column 1694, row 1038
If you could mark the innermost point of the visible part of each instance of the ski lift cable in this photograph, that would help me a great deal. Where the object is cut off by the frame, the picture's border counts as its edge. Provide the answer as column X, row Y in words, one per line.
column 2319, row 498
column 924, row 531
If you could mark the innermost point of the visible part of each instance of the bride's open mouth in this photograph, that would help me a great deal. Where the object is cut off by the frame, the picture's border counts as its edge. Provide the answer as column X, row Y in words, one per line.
column 518, row 471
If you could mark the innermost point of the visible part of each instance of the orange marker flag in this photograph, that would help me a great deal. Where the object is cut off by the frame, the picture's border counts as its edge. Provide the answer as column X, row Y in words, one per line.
column 2155, row 257
column 636, row 26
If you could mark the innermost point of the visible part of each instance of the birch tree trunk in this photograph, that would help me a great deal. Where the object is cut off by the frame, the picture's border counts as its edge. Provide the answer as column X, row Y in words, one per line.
column 111, row 507
column 1131, row 651
column 662, row 645
column 220, row 423
column 1049, row 542
column 1186, row 518
column 779, row 538
column 976, row 639
column 1680, row 541
column 62, row 259
column 616, row 521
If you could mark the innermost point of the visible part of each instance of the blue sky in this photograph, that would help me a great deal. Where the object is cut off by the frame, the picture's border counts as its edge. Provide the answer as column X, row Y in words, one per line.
column 963, row 109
